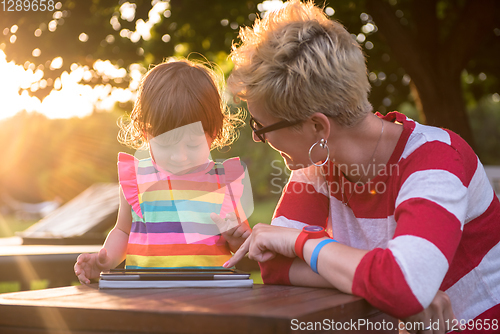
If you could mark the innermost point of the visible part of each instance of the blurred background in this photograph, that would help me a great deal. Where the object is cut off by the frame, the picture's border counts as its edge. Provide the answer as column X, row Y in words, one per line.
column 69, row 72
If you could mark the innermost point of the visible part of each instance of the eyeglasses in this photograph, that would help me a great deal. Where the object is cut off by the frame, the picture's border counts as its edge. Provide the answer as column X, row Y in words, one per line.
column 260, row 131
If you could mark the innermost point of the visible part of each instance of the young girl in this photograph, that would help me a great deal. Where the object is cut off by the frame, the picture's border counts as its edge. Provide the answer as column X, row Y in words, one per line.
column 170, row 199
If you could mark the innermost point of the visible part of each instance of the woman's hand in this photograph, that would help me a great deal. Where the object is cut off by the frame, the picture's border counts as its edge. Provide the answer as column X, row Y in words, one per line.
column 234, row 232
column 265, row 242
column 439, row 316
column 89, row 266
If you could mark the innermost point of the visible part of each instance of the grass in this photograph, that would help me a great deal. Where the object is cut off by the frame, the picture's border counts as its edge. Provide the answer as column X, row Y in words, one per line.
column 9, row 287
column 16, row 286
column 257, row 278
column 9, row 225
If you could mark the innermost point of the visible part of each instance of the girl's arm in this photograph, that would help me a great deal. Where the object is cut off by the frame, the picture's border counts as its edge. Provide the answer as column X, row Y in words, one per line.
column 113, row 252
column 117, row 240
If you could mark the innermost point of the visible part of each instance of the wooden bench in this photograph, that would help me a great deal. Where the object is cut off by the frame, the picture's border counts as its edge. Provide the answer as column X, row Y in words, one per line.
column 48, row 249
column 27, row 263
column 82, row 221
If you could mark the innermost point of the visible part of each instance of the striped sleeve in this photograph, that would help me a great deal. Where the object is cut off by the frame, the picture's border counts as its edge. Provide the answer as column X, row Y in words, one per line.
column 430, row 211
column 303, row 202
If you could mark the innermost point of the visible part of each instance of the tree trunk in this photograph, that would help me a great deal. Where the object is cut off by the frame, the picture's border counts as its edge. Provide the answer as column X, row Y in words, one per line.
column 442, row 100
column 434, row 56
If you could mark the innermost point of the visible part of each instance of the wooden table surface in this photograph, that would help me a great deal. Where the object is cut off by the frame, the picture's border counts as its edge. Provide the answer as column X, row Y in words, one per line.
column 261, row 309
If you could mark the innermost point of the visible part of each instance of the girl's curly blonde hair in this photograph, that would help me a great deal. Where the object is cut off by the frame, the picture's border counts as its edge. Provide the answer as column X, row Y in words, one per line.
column 177, row 93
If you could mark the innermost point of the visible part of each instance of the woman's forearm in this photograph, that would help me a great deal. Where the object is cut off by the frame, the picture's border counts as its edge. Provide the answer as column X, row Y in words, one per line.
column 301, row 274
column 336, row 265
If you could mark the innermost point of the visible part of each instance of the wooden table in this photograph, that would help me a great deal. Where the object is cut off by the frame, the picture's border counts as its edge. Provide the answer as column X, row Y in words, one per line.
column 261, row 309
column 25, row 263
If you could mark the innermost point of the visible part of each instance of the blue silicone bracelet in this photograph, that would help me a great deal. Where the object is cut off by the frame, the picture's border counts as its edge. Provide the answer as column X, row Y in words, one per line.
column 317, row 249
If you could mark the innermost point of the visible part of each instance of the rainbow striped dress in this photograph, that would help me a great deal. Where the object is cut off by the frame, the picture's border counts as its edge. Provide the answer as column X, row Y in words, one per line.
column 171, row 225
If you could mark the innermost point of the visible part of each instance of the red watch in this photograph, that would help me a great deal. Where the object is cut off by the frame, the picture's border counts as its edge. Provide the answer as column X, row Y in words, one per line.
column 308, row 232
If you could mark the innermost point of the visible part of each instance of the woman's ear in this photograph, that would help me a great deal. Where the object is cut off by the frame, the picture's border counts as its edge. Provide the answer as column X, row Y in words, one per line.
column 321, row 125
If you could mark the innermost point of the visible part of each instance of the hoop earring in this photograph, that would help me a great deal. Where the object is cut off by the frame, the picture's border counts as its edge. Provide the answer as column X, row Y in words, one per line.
column 322, row 143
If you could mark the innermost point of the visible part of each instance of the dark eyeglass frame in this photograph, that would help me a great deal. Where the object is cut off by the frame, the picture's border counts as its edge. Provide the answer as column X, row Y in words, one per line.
column 261, row 131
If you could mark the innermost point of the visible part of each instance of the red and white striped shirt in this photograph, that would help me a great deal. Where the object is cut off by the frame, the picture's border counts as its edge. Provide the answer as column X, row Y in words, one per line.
column 430, row 220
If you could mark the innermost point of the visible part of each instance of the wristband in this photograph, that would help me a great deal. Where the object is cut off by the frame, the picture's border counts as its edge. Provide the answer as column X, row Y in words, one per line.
column 314, row 257
column 308, row 232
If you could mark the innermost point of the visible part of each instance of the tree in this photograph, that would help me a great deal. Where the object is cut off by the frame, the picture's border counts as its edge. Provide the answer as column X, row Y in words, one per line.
column 82, row 32
column 424, row 45
column 437, row 41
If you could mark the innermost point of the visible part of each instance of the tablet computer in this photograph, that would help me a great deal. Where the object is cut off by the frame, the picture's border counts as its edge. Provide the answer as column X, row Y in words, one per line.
column 173, row 274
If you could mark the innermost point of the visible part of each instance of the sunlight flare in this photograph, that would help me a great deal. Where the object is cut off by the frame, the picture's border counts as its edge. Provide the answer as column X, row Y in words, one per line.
column 71, row 94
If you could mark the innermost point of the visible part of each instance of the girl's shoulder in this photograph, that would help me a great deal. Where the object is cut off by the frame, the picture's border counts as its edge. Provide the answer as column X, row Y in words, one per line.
column 127, row 166
column 125, row 157
column 127, row 177
column 129, row 163
column 132, row 159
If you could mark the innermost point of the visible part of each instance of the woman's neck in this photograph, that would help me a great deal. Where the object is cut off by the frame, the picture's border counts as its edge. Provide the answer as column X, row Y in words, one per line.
column 363, row 150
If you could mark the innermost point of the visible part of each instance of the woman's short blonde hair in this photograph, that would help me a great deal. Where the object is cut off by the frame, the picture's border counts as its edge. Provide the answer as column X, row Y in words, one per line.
column 296, row 61
column 176, row 93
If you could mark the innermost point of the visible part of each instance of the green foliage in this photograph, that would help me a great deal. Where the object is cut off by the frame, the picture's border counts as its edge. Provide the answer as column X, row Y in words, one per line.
column 200, row 29
column 9, row 287
column 61, row 157
column 256, row 276
column 44, row 158
column 485, row 123
column 264, row 210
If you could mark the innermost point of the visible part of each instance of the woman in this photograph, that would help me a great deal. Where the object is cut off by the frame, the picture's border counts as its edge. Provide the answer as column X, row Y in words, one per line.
column 409, row 205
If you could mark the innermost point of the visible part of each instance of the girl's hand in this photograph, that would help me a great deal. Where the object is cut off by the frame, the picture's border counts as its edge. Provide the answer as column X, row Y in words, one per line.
column 265, row 242
column 439, row 316
column 89, row 266
column 235, row 233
